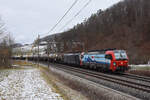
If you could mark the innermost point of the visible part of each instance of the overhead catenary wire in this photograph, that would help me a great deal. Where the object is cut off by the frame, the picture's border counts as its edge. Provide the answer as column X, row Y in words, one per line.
column 68, row 22
column 62, row 17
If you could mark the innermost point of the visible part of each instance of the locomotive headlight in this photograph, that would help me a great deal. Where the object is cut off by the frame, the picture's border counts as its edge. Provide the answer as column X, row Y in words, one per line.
column 114, row 63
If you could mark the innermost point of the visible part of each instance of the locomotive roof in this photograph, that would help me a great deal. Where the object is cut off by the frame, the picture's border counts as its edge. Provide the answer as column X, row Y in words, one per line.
column 102, row 50
column 95, row 52
column 119, row 51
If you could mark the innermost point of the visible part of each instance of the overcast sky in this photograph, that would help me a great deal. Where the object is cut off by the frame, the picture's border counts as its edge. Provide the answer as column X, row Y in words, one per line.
column 25, row 19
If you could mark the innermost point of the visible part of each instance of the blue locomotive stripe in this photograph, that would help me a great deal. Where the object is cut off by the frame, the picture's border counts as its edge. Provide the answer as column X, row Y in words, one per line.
column 96, row 59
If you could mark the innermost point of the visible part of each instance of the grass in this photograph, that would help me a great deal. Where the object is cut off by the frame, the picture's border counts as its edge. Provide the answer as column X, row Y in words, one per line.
column 23, row 63
column 51, row 81
column 2, row 68
column 20, row 65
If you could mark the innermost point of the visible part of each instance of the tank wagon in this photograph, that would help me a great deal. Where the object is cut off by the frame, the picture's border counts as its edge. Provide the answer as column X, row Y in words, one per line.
column 104, row 60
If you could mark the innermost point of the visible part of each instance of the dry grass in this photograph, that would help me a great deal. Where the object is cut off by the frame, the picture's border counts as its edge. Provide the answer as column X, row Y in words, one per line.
column 2, row 67
column 49, row 79
column 22, row 63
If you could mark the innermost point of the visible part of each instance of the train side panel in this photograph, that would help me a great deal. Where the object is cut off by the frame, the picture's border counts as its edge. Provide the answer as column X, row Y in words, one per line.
column 97, row 61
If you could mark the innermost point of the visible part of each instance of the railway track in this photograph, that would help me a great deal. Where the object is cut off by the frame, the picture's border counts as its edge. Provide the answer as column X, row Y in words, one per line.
column 126, row 75
column 109, row 78
column 137, row 77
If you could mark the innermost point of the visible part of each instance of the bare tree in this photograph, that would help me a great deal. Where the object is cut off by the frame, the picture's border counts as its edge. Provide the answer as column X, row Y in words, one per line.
column 5, row 46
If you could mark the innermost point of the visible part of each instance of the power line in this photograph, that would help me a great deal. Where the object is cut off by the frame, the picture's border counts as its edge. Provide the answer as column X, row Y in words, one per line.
column 63, row 16
column 76, row 14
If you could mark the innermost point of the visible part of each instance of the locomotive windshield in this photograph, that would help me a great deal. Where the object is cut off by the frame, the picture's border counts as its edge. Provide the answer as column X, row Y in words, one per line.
column 120, row 55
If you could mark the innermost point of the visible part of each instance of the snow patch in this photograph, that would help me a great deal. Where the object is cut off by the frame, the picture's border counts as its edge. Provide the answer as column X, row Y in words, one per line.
column 25, row 85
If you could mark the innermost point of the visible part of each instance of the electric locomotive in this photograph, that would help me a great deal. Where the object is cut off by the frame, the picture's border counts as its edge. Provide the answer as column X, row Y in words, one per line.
column 105, row 60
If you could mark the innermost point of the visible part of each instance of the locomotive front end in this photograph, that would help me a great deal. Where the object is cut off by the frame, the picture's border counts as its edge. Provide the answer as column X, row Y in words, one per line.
column 119, row 60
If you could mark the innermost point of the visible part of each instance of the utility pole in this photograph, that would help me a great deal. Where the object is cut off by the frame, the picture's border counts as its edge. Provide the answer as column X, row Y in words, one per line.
column 48, row 52
column 38, row 48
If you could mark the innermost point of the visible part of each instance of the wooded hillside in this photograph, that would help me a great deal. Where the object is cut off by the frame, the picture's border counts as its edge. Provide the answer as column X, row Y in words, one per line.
column 125, row 25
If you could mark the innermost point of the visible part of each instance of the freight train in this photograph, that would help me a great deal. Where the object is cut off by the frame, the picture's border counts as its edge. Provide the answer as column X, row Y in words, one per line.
column 104, row 60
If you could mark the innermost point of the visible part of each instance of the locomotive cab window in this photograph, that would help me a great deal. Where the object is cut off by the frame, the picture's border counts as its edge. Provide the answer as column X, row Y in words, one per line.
column 120, row 55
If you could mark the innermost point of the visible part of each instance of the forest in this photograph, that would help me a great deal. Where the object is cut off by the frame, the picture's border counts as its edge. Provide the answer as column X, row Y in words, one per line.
column 125, row 25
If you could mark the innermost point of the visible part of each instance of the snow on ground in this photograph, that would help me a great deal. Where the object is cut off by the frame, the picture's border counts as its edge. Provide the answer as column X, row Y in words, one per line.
column 25, row 85
column 140, row 65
